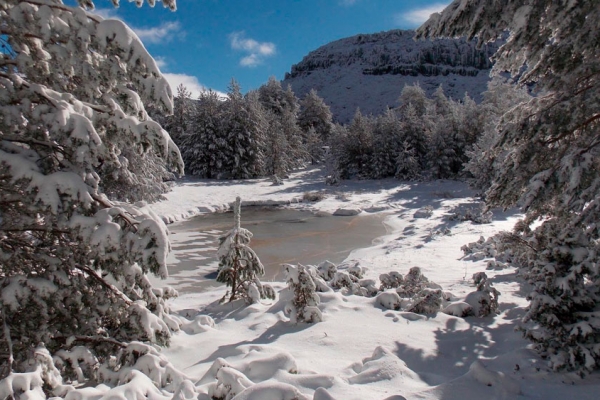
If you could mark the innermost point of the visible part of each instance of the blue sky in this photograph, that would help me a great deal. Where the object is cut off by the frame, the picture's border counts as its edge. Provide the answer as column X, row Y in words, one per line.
column 205, row 43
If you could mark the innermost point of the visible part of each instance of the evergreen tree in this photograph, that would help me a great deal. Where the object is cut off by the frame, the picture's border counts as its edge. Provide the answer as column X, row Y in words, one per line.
column 181, row 114
column 272, row 96
column 417, row 132
column 549, row 149
column 387, row 145
column 285, row 136
column 303, row 306
column 239, row 266
column 440, row 154
column 357, row 146
column 315, row 114
column 407, row 164
column 485, row 154
column 244, row 128
column 415, row 96
column 202, row 148
column 73, row 127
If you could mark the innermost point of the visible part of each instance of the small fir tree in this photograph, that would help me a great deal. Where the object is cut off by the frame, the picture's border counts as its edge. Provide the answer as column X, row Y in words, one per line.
column 239, row 266
column 303, row 306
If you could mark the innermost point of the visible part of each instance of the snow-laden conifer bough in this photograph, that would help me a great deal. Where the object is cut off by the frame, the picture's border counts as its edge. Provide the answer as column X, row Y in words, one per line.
column 75, row 250
column 545, row 159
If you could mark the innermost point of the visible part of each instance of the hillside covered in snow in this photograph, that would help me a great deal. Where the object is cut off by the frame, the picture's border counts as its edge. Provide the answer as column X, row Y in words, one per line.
column 368, row 71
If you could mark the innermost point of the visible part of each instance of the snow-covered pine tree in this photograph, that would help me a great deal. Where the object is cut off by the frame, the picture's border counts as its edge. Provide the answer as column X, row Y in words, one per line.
column 244, row 127
column 239, row 266
column 182, row 111
column 440, row 154
column 387, row 145
column 417, row 131
column 407, row 164
column 203, row 146
column 314, row 146
column 272, row 96
column 413, row 95
column 314, row 113
column 550, row 165
column 275, row 148
column 73, row 127
column 357, row 147
column 485, row 155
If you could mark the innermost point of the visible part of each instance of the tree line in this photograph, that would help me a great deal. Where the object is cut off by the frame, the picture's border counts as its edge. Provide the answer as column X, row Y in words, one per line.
column 270, row 132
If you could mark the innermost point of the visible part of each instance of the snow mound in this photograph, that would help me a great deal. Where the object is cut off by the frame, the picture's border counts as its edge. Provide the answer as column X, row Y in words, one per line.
column 424, row 212
column 347, row 212
column 381, row 366
column 201, row 323
column 271, row 391
column 488, row 377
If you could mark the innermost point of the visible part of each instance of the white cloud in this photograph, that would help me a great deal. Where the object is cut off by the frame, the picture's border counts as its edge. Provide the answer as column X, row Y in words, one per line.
column 256, row 51
column 106, row 13
column 190, row 82
column 158, row 34
column 417, row 16
column 160, row 62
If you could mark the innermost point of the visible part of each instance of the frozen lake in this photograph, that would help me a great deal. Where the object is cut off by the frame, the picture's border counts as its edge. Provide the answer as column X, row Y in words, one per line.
column 280, row 236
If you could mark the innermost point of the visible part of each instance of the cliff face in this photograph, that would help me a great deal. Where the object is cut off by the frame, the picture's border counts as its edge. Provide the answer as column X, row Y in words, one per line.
column 369, row 71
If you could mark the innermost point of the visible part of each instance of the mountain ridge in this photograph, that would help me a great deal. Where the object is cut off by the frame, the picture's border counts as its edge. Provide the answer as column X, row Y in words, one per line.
column 369, row 71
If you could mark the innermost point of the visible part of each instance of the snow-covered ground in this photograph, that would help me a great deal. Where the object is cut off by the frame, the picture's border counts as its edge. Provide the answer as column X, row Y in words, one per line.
column 362, row 350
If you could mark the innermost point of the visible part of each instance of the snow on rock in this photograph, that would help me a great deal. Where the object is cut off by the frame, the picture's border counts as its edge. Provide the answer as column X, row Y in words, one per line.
column 458, row 309
column 347, row 212
column 389, row 300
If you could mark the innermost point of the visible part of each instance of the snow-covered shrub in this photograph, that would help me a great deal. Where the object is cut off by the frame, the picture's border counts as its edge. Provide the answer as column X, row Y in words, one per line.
column 327, row 270
column 342, row 279
column 389, row 299
column 137, row 356
column 496, row 265
column 76, row 364
column 427, row 301
column 477, row 215
column 481, row 249
column 484, row 301
column 357, row 270
column 230, row 382
column 391, row 280
column 303, row 306
column 479, row 277
column 239, row 266
column 368, row 287
column 413, row 283
column 313, row 196
column 43, row 377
